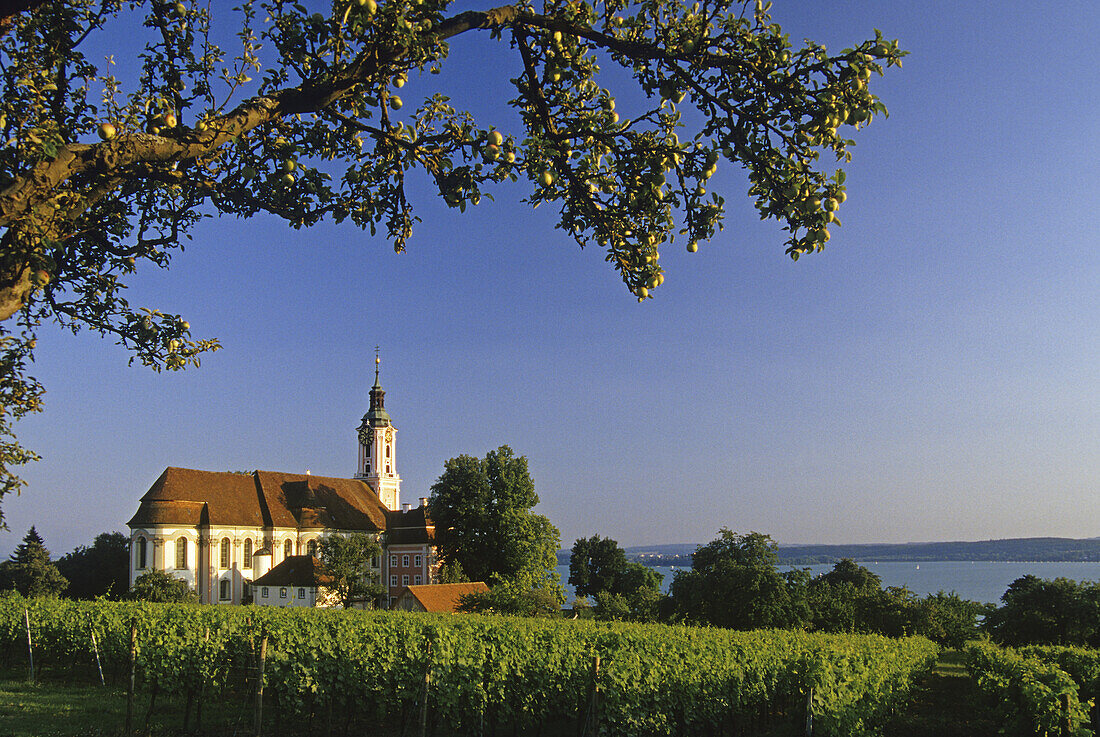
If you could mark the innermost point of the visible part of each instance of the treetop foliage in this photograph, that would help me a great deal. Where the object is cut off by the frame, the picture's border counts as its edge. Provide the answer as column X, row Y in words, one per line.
column 102, row 569
column 107, row 165
column 346, row 559
column 484, row 525
column 159, row 586
column 29, row 570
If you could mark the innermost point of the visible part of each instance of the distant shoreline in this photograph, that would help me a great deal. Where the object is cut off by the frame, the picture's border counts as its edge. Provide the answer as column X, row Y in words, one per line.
column 1009, row 550
column 684, row 561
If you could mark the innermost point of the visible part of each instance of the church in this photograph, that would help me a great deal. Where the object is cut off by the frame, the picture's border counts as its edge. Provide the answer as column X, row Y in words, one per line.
column 219, row 531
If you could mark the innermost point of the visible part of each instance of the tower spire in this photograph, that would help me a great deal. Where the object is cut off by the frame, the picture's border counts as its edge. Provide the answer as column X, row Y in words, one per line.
column 377, row 447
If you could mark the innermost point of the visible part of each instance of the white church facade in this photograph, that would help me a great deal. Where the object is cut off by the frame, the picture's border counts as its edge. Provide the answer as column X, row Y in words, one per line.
column 219, row 531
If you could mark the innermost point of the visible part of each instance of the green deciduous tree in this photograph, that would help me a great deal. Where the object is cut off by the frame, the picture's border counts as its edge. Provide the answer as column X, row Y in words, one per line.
column 100, row 570
column 733, row 582
column 949, row 619
column 515, row 598
column 1047, row 612
column 346, row 559
column 106, row 166
column 29, row 570
column 484, row 523
column 847, row 571
column 158, row 586
column 622, row 589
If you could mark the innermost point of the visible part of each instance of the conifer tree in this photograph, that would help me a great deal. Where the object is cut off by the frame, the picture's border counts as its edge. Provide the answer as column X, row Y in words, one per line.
column 30, row 571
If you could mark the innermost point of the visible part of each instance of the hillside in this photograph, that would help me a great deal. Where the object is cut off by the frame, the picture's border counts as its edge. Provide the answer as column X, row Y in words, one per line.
column 1027, row 548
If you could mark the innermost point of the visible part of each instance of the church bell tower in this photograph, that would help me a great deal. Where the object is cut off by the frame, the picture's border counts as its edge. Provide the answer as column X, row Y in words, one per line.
column 377, row 447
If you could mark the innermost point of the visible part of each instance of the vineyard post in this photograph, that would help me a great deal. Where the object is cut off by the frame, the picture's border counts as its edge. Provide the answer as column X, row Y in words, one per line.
column 30, row 648
column 595, row 708
column 1063, row 704
column 98, row 665
column 260, row 684
column 133, row 671
column 424, row 697
column 809, row 711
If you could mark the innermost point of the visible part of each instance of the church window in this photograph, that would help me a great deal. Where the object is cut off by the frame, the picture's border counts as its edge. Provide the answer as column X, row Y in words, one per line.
column 223, row 590
column 263, row 592
column 301, row 593
column 388, row 468
column 282, row 592
column 181, row 553
column 139, row 551
column 404, row 561
column 288, row 548
column 225, row 552
column 248, row 552
column 387, row 451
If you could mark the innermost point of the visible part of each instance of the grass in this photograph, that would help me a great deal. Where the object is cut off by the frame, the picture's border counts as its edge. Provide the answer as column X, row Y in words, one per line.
column 946, row 704
column 37, row 710
column 54, row 709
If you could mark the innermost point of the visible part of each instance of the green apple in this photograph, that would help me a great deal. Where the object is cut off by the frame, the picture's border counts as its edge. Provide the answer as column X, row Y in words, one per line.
column 107, row 131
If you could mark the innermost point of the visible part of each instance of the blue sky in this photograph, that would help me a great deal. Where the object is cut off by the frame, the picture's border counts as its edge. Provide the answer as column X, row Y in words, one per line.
column 931, row 376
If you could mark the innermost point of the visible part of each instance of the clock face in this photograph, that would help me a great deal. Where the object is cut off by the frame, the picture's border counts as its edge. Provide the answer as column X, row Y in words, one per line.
column 366, row 435
column 389, row 435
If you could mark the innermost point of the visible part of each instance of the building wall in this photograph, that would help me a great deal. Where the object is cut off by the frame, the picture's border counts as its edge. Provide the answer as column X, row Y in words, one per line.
column 407, row 565
column 285, row 596
column 205, row 569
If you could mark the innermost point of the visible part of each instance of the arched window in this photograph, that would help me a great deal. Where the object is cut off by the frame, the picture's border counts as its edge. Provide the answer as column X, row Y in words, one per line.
column 311, row 546
column 223, row 590
column 387, row 451
column 225, row 552
column 288, row 548
column 139, row 552
column 181, row 553
column 248, row 552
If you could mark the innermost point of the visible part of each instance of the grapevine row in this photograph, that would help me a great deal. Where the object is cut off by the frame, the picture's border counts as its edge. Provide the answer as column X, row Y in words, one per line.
column 653, row 680
column 1035, row 695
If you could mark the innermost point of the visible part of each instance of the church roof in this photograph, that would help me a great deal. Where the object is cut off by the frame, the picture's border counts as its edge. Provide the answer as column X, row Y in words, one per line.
column 186, row 497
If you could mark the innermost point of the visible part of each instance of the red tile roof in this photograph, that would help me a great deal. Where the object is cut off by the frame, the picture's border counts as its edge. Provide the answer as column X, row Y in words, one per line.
column 186, row 497
column 296, row 570
column 442, row 597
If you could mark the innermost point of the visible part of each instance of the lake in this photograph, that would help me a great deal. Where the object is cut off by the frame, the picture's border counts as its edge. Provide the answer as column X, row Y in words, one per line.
column 983, row 581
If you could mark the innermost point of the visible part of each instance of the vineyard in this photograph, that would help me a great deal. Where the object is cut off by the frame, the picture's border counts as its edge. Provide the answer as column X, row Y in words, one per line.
column 461, row 675
column 1039, row 690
